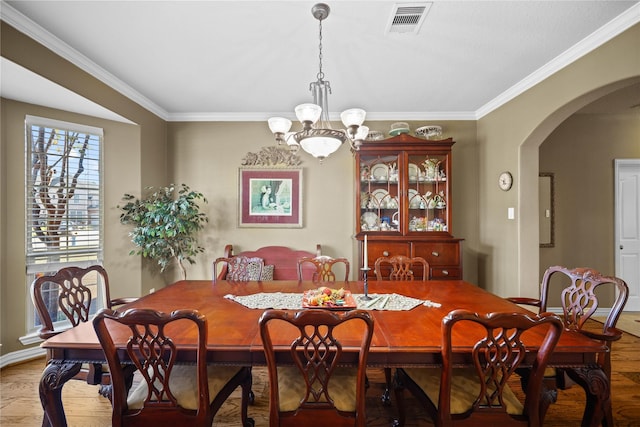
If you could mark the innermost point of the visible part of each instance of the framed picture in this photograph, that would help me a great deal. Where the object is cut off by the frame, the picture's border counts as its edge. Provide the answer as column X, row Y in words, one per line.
column 270, row 198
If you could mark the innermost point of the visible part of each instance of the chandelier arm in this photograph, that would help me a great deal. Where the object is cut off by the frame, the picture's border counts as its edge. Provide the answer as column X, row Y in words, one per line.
column 317, row 137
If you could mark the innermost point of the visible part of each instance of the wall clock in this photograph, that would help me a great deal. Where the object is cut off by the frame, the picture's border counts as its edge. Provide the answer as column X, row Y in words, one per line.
column 505, row 181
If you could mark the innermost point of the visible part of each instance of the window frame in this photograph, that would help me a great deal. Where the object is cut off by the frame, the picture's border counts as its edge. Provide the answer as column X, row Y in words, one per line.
column 41, row 262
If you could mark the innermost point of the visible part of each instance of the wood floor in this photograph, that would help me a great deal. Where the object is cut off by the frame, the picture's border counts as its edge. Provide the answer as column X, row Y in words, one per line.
column 20, row 405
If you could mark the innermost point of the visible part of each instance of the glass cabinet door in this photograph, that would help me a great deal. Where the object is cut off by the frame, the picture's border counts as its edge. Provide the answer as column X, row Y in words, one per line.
column 380, row 197
column 428, row 194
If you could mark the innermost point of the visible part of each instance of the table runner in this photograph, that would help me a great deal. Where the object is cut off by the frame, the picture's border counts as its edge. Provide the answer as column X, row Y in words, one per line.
column 293, row 301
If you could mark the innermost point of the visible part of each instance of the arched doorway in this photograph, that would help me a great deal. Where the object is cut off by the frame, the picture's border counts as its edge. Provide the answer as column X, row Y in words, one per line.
column 529, row 171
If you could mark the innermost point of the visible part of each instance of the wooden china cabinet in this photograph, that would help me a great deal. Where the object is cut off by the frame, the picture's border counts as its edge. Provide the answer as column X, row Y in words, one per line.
column 403, row 203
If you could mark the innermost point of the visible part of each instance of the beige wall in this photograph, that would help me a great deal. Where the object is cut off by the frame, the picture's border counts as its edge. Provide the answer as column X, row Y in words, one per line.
column 206, row 156
column 581, row 153
column 138, row 152
column 124, row 271
column 509, row 138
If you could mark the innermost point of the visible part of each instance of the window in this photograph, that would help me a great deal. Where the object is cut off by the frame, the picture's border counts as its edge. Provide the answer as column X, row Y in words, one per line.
column 63, row 224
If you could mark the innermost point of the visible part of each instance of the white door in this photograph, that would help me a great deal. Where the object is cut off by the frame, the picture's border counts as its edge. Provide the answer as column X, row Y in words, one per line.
column 627, row 227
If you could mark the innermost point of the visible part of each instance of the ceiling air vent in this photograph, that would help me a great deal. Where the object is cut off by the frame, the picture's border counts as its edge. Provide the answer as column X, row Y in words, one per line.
column 407, row 17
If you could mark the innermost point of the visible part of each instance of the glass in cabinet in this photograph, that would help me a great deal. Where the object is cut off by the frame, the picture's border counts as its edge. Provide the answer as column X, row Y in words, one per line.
column 379, row 193
column 404, row 186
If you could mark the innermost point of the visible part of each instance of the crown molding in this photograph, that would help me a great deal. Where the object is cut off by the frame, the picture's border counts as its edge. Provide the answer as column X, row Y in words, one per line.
column 612, row 29
column 334, row 117
column 596, row 39
column 28, row 27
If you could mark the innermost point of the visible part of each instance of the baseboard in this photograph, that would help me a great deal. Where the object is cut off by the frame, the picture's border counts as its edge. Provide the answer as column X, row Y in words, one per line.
column 599, row 312
column 21, row 356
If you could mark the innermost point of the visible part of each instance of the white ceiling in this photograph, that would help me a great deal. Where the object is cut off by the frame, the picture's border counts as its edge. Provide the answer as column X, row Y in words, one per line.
column 249, row 60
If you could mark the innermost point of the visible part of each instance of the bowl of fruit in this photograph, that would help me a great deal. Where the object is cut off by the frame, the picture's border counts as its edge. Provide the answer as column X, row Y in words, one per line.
column 325, row 297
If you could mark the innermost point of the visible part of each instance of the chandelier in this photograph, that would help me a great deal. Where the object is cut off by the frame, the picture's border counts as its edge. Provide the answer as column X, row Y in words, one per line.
column 317, row 137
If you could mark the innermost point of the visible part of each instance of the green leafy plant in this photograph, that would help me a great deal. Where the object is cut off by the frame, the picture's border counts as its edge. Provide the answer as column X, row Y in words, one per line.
column 165, row 224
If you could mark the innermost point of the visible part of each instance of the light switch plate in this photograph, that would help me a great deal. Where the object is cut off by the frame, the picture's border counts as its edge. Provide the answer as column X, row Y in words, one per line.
column 511, row 214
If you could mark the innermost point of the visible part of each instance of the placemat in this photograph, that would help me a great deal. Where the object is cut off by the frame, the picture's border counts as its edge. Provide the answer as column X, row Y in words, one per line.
column 293, row 301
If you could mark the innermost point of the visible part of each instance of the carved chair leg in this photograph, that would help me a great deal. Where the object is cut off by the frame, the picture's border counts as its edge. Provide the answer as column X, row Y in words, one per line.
column 54, row 376
column 549, row 395
column 549, row 391
column 598, row 392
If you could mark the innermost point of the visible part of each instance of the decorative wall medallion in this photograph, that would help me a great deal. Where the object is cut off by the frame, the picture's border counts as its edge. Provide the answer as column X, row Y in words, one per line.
column 272, row 156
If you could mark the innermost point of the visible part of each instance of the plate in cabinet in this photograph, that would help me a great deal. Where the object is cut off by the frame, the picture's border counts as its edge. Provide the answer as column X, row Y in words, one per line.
column 370, row 219
column 380, row 172
column 382, row 197
column 414, row 199
column 414, row 172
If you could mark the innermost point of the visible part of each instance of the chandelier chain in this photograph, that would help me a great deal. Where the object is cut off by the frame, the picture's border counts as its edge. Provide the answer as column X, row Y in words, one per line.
column 320, row 75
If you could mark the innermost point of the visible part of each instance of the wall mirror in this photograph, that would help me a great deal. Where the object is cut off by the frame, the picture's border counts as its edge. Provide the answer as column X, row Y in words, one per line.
column 546, row 208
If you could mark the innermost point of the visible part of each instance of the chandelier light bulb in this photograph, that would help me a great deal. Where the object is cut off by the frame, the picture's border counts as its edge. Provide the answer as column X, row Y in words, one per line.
column 308, row 113
column 279, row 125
column 353, row 117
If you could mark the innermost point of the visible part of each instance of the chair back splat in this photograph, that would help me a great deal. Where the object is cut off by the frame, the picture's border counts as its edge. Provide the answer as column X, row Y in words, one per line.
column 580, row 301
column 324, row 268
column 481, row 396
column 315, row 377
column 170, row 392
column 71, row 293
column 400, row 267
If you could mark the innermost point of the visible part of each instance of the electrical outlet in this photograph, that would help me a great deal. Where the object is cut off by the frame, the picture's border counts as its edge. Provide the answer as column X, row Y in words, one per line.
column 511, row 213
column 152, row 290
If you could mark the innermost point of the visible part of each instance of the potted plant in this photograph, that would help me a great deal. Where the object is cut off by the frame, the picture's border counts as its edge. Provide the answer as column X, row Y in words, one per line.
column 165, row 224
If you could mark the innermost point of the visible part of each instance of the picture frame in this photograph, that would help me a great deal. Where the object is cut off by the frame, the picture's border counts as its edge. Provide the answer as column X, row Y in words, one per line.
column 270, row 198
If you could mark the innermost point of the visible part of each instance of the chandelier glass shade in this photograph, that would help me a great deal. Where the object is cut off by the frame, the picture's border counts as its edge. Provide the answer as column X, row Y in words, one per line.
column 317, row 137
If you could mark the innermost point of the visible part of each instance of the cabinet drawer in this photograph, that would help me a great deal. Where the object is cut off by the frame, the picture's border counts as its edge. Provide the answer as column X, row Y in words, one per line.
column 379, row 249
column 453, row 273
column 436, row 253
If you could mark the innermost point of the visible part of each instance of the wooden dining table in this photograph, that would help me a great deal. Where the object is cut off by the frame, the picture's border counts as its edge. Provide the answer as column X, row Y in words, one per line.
column 401, row 338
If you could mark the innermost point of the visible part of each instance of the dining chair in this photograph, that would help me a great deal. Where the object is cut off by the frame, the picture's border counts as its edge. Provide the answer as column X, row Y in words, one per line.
column 400, row 267
column 579, row 299
column 239, row 268
column 324, row 268
column 480, row 395
column 169, row 392
column 70, row 294
column 309, row 384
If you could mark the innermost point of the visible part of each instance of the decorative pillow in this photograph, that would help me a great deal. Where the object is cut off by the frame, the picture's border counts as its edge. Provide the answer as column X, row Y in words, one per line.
column 267, row 273
column 253, row 270
column 250, row 273
column 254, row 267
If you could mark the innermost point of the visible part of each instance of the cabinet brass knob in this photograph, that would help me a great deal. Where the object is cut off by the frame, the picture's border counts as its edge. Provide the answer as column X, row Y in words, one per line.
column 435, row 254
column 385, row 253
